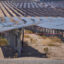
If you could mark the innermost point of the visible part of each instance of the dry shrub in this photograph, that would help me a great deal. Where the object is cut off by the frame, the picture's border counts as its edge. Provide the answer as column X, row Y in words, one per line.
column 52, row 41
column 46, row 50
column 31, row 40
column 28, row 31
column 44, row 37
column 51, row 44
column 16, row 55
column 55, row 39
column 47, row 41
column 3, row 42
column 26, row 36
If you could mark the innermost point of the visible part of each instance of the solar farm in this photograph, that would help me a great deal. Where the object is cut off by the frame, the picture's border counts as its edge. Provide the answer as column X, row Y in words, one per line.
column 31, row 8
column 32, row 27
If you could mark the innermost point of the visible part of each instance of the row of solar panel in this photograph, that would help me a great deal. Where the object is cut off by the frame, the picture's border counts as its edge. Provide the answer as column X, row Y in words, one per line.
column 6, row 9
column 28, row 5
column 21, row 0
column 45, row 22
column 37, row 5
column 7, row 23
column 32, row 5
column 52, row 23
column 9, row 10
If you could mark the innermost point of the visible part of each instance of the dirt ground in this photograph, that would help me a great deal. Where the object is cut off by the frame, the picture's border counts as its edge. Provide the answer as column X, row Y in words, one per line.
column 54, row 51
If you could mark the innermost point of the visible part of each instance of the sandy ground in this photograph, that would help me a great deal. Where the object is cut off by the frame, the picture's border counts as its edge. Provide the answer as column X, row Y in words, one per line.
column 38, row 43
column 1, row 54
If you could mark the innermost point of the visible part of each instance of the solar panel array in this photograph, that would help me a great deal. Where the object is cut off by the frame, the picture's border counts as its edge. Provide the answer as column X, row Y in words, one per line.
column 10, row 8
column 28, row 5
column 37, row 5
column 52, row 22
column 14, row 12
column 40, row 9
column 7, row 23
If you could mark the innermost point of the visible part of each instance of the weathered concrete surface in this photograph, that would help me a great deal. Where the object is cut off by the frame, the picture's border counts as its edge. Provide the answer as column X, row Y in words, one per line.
column 29, row 61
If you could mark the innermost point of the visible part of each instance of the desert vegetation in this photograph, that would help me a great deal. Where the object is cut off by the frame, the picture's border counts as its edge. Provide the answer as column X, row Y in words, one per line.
column 48, row 45
column 28, row 31
column 51, row 41
column 3, row 42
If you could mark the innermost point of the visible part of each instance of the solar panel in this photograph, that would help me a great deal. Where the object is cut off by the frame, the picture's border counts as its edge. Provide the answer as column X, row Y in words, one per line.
column 11, row 23
column 52, row 22
column 21, row 5
column 32, row 5
column 24, row 5
column 28, row 5
column 36, row 5
column 45, row 22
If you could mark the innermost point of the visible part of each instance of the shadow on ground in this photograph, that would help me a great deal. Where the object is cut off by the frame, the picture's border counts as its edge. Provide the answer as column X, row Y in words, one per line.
column 31, row 52
column 8, row 52
column 27, row 51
